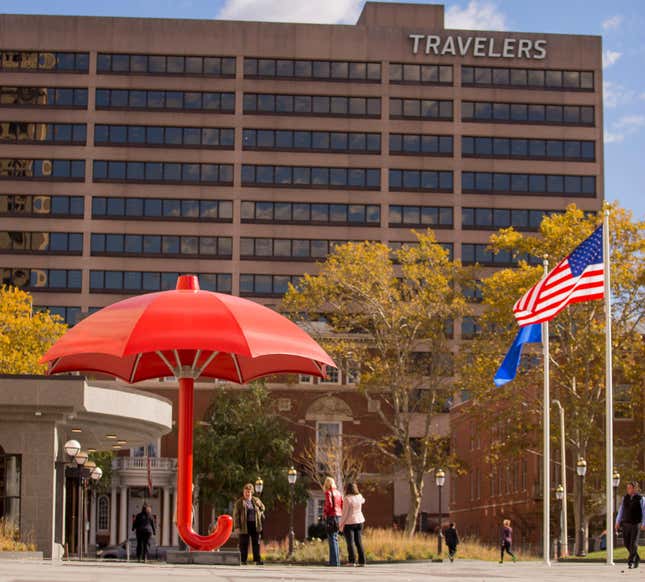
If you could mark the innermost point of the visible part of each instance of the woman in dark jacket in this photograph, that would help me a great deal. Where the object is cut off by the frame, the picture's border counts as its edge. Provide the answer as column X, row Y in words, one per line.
column 452, row 541
column 507, row 541
column 248, row 518
column 144, row 527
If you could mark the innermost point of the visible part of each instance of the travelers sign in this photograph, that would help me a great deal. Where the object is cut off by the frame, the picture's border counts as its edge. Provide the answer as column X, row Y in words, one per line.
column 478, row 46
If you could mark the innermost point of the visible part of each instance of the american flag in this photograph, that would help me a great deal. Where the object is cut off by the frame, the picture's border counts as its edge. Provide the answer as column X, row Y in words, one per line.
column 579, row 277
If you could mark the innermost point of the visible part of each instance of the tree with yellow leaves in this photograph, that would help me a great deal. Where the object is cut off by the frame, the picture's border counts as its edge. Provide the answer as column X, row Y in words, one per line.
column 24, row 336
column 387, row 314
column 576, row 352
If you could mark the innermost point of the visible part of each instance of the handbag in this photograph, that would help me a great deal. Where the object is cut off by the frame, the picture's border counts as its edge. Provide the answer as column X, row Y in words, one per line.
column 332, row 520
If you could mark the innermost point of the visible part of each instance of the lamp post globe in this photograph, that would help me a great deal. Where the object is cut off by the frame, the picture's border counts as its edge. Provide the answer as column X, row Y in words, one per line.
column 96, row 473
column 259, row 486
column 440, row 478
column 72, row 448
column 615, row 479
column 292, row 475
column 581, row 467
column 81, row 458
column 559, row 492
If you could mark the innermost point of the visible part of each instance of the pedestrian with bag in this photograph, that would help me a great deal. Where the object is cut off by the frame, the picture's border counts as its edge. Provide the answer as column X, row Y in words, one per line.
column 631, row 518
column 452, row 541
column 332, row 511
column 351, row 524
column 248, row 520
column 507, row 541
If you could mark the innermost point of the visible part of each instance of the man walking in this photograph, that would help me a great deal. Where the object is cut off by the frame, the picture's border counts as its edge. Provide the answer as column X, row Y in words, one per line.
column 452, row 541
column 631, row 518
column 144, row 526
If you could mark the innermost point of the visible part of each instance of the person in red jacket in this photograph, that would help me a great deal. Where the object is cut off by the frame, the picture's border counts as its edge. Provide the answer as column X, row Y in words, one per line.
column 332, row 510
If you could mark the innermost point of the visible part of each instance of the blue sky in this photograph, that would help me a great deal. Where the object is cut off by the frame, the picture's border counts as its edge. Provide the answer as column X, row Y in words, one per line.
column 620, row 22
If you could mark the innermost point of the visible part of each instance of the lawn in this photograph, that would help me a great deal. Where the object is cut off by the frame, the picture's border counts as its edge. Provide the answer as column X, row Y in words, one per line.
column 619, row 554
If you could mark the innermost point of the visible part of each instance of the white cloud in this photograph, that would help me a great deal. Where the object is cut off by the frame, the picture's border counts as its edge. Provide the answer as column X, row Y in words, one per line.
column 624, row 127
column 476, row 16
column 615, row 94
column 609, row 58
column 327, row 12
column 612, row 23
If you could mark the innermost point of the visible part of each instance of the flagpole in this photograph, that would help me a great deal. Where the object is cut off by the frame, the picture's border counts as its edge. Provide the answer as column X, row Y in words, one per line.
column 546, row 472
column 609, row 395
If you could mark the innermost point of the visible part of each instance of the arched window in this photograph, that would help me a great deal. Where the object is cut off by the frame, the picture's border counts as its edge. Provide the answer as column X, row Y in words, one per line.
column 103, row 513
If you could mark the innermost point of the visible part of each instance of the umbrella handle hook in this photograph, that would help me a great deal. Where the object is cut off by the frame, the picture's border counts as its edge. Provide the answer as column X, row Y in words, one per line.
column 185, row 479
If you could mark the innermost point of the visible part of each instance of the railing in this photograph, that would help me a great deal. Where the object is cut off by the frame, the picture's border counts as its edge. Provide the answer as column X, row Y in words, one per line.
column 141, row 463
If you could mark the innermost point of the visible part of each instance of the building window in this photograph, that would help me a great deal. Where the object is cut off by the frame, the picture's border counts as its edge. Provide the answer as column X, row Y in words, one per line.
column 284, row 248
column 20, row 242
column 152, row 245
column 420, row 216
column 312, row 105
column 44, row 62
column 333, row 376
column 440, row 110
column 315, row 141
column 257, row 285
column 297, row 70
column 305, row 379
column 103, row 514
column 421, row 144
column 43, row 279
column 420, row 180
column 496, row 218
column 159, row 100
column 41, row 206
column 481, row 253
column 132, row 282
column 469, row 327
column 524, row 148
column 162, row 209
column 315, row 505
column 396, row 246
column 329, row 443
column 10, row 487
column 524, row 475
column 70, row 315
column 284, row 404
column 30, row 169
column 19, row 132
column 308, row 213
column 164, row 136
column 311, row 177
column 528, row 113
column 550, row 79
column 162, row 172
column 167, row 65
column 623, row 402
column 69, row 98
column 535, row 184
column 413, row 74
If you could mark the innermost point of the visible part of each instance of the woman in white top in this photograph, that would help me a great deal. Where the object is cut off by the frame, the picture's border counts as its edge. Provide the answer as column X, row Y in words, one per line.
column 351, row 523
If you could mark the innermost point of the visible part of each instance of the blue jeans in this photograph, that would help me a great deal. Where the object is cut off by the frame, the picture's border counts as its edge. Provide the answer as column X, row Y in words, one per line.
column 334, row 555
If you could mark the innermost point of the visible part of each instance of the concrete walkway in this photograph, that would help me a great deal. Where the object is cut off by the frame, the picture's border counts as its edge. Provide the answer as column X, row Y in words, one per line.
column 32, row 571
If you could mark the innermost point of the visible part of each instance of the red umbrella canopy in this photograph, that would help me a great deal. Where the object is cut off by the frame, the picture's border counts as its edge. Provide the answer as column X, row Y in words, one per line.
column 187, row 332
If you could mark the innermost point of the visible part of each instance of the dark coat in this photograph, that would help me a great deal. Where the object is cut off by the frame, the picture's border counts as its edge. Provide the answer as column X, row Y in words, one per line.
column 239, row 515
column 143, row 522
column 452, row 538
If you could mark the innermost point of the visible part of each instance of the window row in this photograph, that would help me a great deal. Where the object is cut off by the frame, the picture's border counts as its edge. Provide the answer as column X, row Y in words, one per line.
column 421, row 216
column 285, row 248
column 299, row 176
column 533, row 113
column 41, row 242
column 322, row 141
column 43, row 61
column 420, row 109
column 533, row 183
column 42, row 279
column 410, row 143
column 158, row 135
column 495, row 218
column 481, row 253
column 128, row 282
column 162, row 208
column 41, row 205
column 71, row 98
column 161, row 246
column 166, row 65
column 542, row 149
column 161, row 99
column 162, row 172
column 312, row 70
column 529, row 78
column 421, row 180
column 396, row 246
column 266, row 285
column 421, row 74
column 20, row 168
column 45, row 133
column 306, row 213
column 70, row 315
column 325, row 105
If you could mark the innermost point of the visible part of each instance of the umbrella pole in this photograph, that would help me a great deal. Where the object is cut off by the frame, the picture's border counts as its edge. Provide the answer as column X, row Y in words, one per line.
column 185, row 479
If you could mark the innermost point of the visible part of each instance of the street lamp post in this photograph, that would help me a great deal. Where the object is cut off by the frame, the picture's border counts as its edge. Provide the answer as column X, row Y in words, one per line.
column 72, row 448
column 81, row 459
column 292, row 475
column 259, row 485
column 615, row 480
column 581, row 469
column 559, row 495
column 440, row 479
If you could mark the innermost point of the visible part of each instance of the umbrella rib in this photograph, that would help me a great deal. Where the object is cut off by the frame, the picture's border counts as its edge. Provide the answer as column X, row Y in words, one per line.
column 237, row 367
column 134, row 368
column 172, row 370
column 195, row 360
column 208, row 361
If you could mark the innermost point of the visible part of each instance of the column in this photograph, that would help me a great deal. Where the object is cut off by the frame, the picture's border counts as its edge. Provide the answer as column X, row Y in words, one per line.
column 165, row 519
column 92, row 542
column 113, row 516
column 174, row 536
column 123, row 515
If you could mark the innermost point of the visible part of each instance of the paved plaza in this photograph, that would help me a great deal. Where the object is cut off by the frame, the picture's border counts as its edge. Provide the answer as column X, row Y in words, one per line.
column 32, row 571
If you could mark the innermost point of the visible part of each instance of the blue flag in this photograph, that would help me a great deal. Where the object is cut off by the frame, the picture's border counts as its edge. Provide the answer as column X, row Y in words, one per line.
column 530, row 334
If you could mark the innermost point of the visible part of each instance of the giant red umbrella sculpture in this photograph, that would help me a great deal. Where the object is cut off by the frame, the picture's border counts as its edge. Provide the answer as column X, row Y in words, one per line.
column 190, row 334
